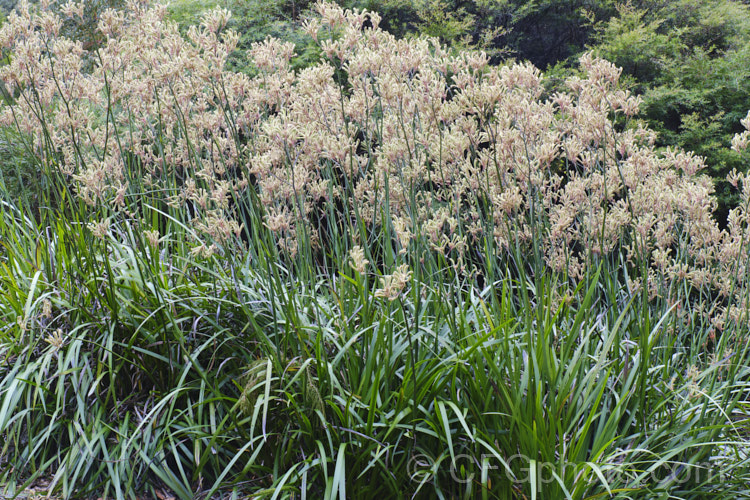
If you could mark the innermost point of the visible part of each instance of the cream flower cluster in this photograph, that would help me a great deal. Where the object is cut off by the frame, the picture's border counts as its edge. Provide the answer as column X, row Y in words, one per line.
column 451, row 149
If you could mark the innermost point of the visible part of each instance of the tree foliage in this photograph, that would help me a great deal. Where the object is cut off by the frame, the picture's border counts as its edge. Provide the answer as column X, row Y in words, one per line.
column 690, row 60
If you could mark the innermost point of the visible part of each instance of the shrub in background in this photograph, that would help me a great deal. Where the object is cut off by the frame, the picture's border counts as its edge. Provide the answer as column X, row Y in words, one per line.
column 687, row 59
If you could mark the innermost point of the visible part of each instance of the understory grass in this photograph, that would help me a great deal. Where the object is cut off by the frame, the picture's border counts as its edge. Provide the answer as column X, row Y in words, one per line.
column 143, row 368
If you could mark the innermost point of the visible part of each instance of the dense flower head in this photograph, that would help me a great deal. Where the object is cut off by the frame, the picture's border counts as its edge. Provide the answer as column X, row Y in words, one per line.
column 452, row 149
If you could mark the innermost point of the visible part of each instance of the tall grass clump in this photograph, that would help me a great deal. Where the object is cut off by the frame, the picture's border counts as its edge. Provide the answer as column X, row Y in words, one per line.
column 399, row 272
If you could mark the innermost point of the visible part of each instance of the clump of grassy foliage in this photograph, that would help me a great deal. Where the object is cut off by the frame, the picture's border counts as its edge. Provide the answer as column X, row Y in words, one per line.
column 217, row 296
column 18, row 174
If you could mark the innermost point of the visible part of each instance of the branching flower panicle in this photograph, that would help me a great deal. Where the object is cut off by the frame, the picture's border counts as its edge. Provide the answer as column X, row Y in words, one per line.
column 411, row 139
